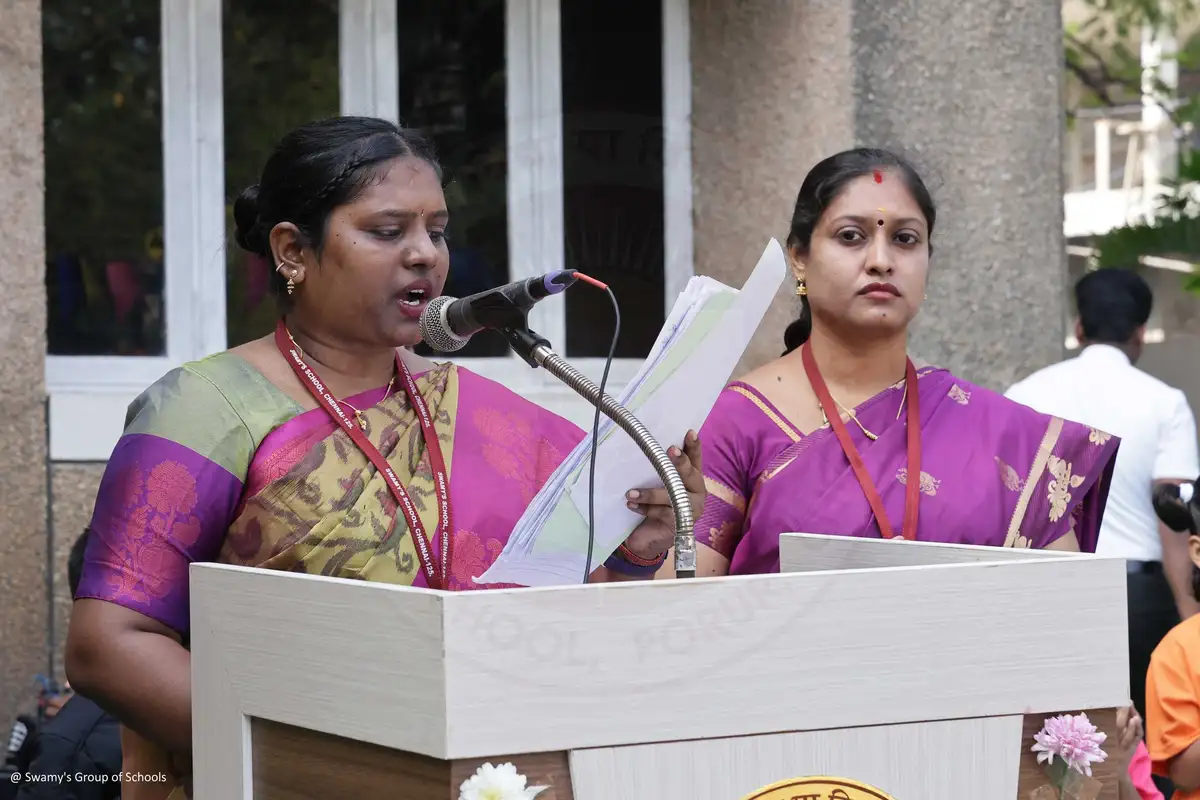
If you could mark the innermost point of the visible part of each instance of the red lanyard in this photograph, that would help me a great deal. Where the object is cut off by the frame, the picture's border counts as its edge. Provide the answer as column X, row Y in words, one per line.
column 912, row 496
column 436, row 575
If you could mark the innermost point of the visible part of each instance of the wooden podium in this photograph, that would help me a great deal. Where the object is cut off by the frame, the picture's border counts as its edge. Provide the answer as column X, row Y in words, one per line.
column 920, row 669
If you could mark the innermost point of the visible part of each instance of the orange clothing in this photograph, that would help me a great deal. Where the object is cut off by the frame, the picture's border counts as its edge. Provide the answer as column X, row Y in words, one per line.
column 1173, row 698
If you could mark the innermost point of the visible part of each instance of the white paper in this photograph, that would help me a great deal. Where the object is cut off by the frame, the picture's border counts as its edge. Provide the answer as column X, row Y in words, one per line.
column 696, row 352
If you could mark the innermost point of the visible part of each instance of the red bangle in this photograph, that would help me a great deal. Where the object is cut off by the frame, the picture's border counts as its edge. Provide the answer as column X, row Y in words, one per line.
column 633, row 558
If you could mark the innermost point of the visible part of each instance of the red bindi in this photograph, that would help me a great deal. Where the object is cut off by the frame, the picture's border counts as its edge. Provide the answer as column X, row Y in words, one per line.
column 878, row 176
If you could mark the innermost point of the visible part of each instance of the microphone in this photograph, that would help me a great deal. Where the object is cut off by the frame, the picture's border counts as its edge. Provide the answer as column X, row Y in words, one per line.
column 449, row 322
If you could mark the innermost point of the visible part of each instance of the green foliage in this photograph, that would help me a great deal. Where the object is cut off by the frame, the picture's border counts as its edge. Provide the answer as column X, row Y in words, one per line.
column 1103, row 52
column 1168, row 238
column 1103, row 55
column 1173, row 231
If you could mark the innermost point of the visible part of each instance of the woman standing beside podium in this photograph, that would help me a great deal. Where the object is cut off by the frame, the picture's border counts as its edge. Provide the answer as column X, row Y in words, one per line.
column 327, row 448
column 843, row 435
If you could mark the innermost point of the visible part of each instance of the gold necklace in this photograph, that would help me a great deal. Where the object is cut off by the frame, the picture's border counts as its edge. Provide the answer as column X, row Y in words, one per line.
column 849, row 413
column 358, row 415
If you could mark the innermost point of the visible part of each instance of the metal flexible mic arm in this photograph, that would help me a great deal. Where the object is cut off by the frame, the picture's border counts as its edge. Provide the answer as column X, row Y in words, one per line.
column 537, row 353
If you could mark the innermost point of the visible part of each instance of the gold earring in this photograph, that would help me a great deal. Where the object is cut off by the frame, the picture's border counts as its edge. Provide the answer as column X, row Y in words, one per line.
column 801, row 288
column 291, row 284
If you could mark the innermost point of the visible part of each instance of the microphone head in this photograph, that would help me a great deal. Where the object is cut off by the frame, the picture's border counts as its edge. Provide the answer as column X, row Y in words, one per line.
column 556, row 282
column 435, row 328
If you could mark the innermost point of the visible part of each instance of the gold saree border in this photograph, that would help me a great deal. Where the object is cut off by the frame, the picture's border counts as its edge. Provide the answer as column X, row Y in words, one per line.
column 1049, row 440
column 784, row 426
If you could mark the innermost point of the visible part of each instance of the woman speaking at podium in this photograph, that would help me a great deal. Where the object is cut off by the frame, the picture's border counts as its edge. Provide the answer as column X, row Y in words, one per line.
column 843, row 435
column 326, row 448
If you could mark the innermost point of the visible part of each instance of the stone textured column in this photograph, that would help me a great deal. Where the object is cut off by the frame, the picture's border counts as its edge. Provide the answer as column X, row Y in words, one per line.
column 971, row 89
column 780, row 84
column 23, row 493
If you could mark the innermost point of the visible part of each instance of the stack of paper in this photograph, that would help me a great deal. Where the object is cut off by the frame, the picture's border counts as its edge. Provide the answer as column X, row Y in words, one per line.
column 697, row 350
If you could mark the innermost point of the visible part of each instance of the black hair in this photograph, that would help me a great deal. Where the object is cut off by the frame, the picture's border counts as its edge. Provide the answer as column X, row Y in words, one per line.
column 1177, row 515
column 75, row 561
column 823, row 184
column 1180, row 517
column 1112, row 303
column 313, row 170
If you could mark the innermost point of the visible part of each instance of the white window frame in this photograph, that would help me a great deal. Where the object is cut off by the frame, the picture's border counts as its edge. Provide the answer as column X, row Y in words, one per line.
column 89, row 395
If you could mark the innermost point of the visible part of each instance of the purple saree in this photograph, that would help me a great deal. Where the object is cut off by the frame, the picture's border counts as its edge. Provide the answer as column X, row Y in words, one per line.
column 993, row 472
column 216, row 464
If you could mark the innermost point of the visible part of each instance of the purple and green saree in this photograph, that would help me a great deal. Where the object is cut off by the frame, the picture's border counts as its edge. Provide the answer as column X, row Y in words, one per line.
column 218, row 464
column 993, row 472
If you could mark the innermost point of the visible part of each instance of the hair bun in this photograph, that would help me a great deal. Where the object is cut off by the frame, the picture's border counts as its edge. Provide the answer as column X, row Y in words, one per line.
column 248, row 232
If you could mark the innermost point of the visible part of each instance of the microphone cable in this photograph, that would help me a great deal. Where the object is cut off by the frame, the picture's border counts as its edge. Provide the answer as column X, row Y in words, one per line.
column 612, row 351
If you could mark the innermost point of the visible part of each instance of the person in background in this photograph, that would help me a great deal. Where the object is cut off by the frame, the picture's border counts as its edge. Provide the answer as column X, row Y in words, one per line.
column 79, row 739
column 1103, row 388
column 1173, row 679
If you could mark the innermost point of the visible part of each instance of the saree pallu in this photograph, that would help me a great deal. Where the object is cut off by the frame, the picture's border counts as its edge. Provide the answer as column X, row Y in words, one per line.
column 218, row 464
column 993, row 472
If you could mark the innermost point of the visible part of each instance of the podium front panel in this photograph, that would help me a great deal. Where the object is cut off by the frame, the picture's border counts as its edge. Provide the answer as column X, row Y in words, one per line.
column 604, row 672
column 585, row 667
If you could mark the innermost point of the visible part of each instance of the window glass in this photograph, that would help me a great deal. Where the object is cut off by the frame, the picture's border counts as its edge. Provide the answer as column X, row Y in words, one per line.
column 104, row 177
column 613, row 171
column 453, row 88
column 280, row 71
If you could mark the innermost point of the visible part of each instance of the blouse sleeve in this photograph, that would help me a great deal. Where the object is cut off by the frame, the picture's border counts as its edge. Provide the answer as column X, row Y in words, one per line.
column 167, row 497
column 726, row 475
column 1172, row 705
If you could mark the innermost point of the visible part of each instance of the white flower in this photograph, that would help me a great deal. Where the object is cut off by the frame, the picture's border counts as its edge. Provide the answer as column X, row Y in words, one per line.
column 497, row 783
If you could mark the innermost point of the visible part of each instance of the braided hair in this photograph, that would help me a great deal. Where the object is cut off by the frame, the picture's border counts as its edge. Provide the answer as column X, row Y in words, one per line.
column 313, row 170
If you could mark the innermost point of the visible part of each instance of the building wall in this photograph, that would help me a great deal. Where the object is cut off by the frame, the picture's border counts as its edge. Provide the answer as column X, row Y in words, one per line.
column 980, row 112
column 23, row 531
column 72, row 493
column 1174, row 361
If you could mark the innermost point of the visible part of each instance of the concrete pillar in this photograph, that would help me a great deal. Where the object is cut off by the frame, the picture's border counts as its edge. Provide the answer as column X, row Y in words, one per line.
column 780, row 84
column 23, row 536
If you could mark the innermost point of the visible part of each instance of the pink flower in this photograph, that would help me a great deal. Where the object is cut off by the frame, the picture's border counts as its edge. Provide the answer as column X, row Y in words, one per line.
column 1073, row 739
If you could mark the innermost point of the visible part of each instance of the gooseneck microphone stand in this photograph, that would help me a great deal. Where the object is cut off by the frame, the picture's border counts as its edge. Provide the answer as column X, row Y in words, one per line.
column 537, row 353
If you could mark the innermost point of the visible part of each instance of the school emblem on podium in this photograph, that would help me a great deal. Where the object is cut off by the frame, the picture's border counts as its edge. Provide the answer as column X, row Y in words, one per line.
column 818, row 788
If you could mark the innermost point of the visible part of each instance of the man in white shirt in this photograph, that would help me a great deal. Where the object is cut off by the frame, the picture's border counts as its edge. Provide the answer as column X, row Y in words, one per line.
column 1102, row 388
